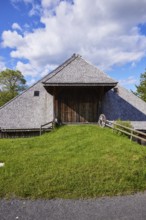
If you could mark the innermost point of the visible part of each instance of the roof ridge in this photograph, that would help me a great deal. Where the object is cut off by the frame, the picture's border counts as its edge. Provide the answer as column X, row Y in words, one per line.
column 79, row 73
column 62, row 66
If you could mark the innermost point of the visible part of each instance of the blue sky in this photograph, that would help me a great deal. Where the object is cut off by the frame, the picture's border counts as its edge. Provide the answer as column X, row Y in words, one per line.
column 38, row 35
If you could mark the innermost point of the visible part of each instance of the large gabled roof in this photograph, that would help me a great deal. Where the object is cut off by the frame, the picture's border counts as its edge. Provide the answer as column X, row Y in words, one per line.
column 77, row 71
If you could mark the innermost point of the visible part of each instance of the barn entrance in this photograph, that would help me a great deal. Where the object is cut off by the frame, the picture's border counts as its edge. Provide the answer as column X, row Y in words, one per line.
column 76, row 105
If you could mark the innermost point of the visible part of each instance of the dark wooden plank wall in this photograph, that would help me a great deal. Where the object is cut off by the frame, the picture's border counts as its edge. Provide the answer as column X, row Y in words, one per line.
column 78, row 104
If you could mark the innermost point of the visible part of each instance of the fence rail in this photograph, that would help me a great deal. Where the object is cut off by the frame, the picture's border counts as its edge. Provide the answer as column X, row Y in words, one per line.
column 132, row 132
column 116, row 126
column 44, row 125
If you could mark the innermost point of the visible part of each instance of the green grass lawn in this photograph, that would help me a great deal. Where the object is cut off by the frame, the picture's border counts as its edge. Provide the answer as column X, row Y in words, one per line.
column 72, row 162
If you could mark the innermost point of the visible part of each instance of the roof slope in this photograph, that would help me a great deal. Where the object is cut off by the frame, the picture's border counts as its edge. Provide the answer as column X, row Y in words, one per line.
column 78, row 71
column 123, row 104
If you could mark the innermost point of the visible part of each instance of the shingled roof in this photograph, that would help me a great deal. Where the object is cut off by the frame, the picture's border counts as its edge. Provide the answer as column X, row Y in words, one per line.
column 77, row 71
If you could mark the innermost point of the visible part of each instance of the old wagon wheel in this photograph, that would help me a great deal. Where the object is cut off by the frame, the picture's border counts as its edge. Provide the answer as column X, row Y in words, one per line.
column 102, row 120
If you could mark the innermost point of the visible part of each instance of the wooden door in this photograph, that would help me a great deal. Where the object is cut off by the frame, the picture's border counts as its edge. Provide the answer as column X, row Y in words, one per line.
column 80, row 105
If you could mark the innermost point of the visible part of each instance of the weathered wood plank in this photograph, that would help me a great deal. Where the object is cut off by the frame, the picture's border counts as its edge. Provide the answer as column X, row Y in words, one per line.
column 78, row 104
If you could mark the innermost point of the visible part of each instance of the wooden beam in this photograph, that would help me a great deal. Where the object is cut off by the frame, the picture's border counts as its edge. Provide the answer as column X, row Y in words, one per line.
column 101, row 93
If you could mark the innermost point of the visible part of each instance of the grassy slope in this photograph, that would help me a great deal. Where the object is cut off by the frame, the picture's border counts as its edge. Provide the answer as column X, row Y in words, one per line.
column 72, row 162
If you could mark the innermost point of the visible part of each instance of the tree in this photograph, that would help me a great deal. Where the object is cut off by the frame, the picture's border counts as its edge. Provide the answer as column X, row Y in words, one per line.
column 141, row 88
column 12, row 83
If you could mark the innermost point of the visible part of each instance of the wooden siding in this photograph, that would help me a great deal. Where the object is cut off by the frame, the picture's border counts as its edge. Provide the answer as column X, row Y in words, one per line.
column 78, row 104
column 18, row 134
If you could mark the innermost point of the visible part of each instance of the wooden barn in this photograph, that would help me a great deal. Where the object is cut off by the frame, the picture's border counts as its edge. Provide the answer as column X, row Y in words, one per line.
column 75, row 92
column 78, row 89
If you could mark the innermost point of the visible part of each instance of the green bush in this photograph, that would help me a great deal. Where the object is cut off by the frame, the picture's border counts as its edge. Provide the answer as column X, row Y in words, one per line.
column 124, row 123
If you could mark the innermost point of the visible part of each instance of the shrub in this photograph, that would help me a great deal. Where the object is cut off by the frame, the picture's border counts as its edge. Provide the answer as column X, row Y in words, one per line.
column 123, row 123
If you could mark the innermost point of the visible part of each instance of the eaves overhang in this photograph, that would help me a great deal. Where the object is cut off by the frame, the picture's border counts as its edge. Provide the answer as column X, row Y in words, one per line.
column 80, row 84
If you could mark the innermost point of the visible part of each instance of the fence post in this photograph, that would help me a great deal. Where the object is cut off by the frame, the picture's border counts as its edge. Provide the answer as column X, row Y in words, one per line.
column 40, row 130
column 131, row 135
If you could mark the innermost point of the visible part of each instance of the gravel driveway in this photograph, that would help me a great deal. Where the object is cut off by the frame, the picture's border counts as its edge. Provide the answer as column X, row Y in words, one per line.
column 131, row 207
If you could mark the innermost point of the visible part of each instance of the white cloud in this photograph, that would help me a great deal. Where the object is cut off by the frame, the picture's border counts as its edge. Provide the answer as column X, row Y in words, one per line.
column 16, row 26
column 12, row 39
column 26, row 26
column 16, row 3
column 105, row 32
column 26, row 69
column 47, row 69
column 33, row 70
column 35, row 6
column 2, row 64
column 131, row 80
column 35, row 10
column 31, row 82
column 49, row 3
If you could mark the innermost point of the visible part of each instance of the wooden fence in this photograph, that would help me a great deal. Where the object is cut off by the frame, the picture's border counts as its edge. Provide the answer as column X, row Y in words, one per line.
column 50, row 125
column 16, row 133
column 131, row 132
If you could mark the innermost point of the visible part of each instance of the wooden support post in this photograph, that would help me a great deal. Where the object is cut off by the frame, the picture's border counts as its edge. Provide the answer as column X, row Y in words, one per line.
column 113, row 128
column 100, row 95
column 54, row 103
column 131, row 135
column 55, row 97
